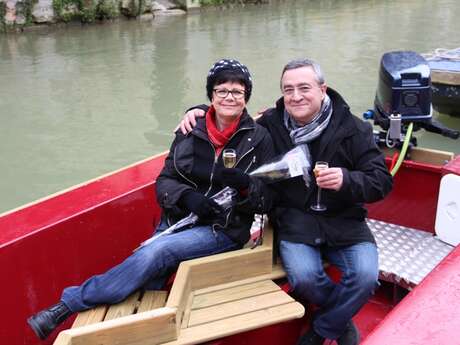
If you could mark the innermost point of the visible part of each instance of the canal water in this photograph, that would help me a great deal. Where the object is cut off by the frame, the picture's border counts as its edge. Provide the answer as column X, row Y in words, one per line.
column 77, row 102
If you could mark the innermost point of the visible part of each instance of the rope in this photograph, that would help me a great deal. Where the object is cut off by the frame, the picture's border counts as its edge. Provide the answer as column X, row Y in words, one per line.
column 442, row 53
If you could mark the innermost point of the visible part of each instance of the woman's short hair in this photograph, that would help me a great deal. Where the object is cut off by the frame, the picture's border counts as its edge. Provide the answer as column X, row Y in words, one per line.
column 229, row 70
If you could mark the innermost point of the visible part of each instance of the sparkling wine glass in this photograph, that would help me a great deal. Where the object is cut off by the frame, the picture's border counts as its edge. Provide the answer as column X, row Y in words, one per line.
column 229, row 157
column 319, row 206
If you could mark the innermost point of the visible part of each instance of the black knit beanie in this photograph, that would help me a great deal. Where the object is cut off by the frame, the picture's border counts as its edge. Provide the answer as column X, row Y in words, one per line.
column 229, row 70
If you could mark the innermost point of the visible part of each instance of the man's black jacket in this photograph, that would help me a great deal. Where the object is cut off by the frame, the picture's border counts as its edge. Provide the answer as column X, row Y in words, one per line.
column 348, row 143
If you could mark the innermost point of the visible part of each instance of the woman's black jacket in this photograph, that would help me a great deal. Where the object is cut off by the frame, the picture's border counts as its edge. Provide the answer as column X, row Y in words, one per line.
column 192, row 164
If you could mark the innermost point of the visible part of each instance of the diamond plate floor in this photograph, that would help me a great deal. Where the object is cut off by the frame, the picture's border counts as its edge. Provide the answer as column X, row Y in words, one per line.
column 406, row 255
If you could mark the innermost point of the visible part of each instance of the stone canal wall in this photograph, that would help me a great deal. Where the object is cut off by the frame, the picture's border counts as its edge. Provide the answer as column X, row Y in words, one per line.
column 18, row 14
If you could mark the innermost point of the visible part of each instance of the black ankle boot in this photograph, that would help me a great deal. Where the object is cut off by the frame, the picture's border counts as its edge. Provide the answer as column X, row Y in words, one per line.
column 311, row 338
column 350, row 336
column 45, row 321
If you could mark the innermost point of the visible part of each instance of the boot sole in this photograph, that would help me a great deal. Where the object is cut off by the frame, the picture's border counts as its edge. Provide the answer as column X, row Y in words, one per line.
column 38, row 332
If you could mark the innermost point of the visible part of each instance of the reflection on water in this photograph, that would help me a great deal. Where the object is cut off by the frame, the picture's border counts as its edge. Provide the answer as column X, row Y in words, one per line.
column 82, row 101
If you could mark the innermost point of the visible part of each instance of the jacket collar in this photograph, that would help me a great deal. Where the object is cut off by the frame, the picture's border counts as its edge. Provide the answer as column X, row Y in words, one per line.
column 340, row 127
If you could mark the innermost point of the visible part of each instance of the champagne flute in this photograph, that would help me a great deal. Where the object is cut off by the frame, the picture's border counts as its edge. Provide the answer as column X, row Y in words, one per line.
column 319, row 165
column 229, row 158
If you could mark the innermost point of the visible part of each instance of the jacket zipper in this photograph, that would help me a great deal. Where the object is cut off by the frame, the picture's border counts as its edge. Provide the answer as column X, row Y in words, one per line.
column 250, row 164
column 244, row 154
column 215, row 225
column 182, row 175
column 239, row 130
column 216, row 157
column 241, row 158
column 213, row 167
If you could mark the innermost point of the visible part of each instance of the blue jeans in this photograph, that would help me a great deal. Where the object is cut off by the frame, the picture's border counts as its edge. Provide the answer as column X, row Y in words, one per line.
column 149, row 267
column 337, row 302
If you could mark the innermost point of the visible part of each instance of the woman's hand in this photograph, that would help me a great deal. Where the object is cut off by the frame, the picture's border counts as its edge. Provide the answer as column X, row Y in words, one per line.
column 204, row 207
column 189, row 120
column 330, row 178
column 235, row 178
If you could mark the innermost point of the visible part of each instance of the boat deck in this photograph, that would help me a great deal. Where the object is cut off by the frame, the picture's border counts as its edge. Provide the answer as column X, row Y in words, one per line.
column 406, row 255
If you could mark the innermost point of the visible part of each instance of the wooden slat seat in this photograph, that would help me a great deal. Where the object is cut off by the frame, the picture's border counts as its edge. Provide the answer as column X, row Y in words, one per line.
column 211, row 297
column 140, row 316
column 223, row 311
column 230, row 293
column 148, row 328
column 239, row 323
column 136, row 303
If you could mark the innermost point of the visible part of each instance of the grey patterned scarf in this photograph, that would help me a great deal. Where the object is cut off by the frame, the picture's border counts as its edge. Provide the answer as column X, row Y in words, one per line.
column 312, row 130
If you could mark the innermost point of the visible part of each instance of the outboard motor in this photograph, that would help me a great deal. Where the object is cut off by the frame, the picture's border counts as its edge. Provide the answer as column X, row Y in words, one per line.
column 404, row 88
column 404, row 96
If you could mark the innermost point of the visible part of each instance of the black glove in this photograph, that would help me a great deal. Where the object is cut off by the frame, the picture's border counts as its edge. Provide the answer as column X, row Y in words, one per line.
column 201, row 205
column 235, row 178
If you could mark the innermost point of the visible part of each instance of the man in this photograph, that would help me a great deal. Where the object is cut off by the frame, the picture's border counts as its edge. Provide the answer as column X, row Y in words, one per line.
column 311, row 113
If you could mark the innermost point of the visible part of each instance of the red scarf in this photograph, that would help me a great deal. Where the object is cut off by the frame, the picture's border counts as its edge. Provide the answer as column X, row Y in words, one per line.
column 219, row 138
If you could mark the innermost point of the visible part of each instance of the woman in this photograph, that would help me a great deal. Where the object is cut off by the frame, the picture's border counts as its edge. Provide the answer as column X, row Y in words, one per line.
column 192, row 173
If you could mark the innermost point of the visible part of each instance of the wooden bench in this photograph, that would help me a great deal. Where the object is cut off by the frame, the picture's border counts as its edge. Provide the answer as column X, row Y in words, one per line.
column 136, row 303
column 211, row 297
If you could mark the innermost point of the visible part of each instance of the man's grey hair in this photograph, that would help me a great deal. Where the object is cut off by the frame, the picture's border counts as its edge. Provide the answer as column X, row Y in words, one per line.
column 298, row 63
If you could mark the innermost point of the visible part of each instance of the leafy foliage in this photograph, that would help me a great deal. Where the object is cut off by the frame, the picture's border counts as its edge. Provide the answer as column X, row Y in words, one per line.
column 227, row 2
column 62, row 9
column 2, row 16
column 107, row 9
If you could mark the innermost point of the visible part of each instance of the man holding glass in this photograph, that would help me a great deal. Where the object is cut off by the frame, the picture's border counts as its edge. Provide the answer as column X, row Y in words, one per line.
column 327, row 219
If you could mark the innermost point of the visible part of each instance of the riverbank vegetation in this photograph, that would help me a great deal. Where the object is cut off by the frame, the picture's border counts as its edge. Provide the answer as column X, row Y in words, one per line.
column 87, row 11
column 17, row 15
column 230, row 2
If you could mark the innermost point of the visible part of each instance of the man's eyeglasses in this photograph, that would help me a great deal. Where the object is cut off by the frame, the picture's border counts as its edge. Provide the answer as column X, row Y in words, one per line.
column 223, row 93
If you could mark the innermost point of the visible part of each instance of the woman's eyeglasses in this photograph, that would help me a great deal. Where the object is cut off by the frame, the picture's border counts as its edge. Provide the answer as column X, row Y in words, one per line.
column 223, row 93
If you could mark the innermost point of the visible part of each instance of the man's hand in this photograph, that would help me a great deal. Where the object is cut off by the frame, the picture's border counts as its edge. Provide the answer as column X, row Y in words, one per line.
column 189, row 120
column 260, row 112
column 330, row 178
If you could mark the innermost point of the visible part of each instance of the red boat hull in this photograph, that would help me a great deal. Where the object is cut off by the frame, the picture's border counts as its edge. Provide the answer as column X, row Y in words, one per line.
column 62, row 240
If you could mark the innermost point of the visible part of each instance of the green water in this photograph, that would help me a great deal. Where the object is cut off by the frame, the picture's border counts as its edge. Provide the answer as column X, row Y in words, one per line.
column 78, row 102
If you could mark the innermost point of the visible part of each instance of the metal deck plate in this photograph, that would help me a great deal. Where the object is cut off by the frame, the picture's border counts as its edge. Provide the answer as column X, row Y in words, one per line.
column 406, row 255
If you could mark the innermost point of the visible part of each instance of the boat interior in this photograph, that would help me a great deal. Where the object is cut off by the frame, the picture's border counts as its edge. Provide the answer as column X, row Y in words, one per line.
column 230, row 298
